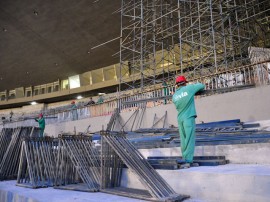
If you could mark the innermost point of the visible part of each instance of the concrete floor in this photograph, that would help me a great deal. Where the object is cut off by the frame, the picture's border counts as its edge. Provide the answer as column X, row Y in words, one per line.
column 9, row 192
column 232, row 182
column 227, row 183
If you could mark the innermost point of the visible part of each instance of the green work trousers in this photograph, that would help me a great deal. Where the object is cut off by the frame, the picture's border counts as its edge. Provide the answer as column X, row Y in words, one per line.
column 165, row 92
column 41, row 132
column 187, row 134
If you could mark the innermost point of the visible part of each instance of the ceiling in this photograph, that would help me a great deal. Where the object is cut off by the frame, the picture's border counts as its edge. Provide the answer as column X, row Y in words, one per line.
column 43, row 41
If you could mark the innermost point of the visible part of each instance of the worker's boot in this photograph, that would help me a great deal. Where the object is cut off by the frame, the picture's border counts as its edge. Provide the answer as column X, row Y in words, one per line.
column 184, row 165
column 181, row 161
column 194, row 165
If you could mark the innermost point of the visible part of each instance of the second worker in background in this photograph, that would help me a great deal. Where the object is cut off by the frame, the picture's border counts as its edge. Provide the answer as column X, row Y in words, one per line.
column 41, row 123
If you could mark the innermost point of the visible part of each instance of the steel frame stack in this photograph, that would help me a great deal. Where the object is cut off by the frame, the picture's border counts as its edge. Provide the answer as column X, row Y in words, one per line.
column 161, row 38
column 78, row 161
column 10, row 162
column 37, row 163
column 5, row 138
column 116, row 150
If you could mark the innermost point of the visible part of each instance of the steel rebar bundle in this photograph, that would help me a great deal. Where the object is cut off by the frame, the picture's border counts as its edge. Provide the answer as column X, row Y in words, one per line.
column 84, row 158
column 10, row 162
column 37, row 163
column 115, row 143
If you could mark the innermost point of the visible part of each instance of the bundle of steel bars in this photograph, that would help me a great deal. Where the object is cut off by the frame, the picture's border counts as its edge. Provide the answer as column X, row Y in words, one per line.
column 5, row 138
column 37, row 162
column 65, row 170
column 157, row 188
column 84, row 158
column 10, row 162
column 111, row 167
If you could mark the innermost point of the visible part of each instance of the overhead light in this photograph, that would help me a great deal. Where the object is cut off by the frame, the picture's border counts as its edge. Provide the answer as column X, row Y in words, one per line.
column 35, row 12
column 79, row 97
column 33, row 103
column 101, row 93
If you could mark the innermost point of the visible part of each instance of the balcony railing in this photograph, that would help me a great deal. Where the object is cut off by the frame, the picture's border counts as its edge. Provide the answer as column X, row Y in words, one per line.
column 237, row 78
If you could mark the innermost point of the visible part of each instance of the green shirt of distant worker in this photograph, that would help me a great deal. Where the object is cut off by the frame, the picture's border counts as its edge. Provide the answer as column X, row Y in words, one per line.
column 100, row 100
column 41, row 123
column 183, row 100
column 165, row 90
column 74, row 111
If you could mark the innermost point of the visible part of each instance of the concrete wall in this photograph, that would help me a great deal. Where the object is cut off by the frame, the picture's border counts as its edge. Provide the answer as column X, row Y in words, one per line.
column 96, row 124
column 248, row 105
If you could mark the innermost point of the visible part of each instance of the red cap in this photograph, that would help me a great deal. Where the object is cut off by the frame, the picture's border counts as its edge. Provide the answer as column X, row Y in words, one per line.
column 40, row 115
column 180, row 79
column 73, row 102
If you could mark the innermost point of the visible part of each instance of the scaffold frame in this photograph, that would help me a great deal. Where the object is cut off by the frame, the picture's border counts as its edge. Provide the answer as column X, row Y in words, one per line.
column 162, row 38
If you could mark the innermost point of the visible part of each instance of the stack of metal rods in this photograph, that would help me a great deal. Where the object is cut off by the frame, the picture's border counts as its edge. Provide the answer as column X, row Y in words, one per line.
column 111, row 167
column 84, row 157
column 10, row 162
column 37, row 162
column 156, row 185
column 113, row 118
column 5, row 138
column 65, row 170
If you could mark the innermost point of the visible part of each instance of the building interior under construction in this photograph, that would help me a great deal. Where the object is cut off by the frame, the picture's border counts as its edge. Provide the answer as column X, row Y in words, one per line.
column 125, row 55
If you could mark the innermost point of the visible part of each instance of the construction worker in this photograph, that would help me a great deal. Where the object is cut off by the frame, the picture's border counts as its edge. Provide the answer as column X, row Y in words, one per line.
column 100, row 99
column 41, row 123
column 74, row 111
column 91, row 102
column 183, row 100
column 165, row 90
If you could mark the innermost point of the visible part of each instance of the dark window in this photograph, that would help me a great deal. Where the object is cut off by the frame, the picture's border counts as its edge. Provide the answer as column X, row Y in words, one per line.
column 36, row 92
column 56, row 88
column 28, row 94
column 12, row 96
column 42, row 90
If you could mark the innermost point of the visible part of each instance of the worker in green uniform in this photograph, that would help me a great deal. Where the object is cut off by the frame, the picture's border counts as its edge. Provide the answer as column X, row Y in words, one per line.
column 41, row 123
column 183, row 100
column 165, row 91
column 74, row 111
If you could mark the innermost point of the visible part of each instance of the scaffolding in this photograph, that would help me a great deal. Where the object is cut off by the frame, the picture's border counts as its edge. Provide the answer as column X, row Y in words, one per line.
column 162, row 38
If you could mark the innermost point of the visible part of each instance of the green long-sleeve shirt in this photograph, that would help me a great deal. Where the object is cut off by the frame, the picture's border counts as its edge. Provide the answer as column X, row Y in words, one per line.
column 183, row 100
column 41, row 122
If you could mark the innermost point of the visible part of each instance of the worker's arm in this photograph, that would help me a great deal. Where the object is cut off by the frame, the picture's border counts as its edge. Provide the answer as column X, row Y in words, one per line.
column 198, row 87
